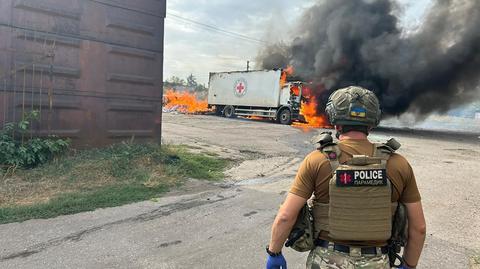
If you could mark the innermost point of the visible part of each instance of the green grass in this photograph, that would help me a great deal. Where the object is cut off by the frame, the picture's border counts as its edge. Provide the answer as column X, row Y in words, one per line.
column 79, row 202
column 100, row 178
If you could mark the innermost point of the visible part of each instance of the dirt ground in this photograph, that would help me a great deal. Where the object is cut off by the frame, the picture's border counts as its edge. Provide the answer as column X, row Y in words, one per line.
column 227, row 224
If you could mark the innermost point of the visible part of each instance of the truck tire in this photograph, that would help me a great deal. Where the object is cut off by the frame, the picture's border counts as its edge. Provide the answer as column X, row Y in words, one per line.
column 229, row 112
column 285, row 117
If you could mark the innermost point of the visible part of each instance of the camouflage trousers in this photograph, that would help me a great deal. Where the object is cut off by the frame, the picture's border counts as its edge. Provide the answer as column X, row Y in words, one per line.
column 324, row 258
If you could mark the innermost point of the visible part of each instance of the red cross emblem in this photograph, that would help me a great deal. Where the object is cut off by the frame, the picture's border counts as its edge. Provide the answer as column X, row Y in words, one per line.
column 345, row 178
column 240, row 88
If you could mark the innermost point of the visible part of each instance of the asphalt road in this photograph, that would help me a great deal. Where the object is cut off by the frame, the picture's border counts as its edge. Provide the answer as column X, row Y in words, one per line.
column 227, row 224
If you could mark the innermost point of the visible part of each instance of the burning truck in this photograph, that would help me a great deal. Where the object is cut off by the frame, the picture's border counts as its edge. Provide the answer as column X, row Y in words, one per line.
column 265, row 94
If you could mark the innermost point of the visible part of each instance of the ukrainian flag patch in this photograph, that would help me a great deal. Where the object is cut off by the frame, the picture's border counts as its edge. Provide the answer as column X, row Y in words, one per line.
column 358, row 112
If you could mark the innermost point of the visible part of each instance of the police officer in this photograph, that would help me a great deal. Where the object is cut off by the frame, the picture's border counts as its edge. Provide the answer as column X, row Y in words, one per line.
column 354, row 111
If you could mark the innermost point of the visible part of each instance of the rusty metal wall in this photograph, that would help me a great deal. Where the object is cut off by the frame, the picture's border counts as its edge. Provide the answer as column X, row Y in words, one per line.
column 93, row 68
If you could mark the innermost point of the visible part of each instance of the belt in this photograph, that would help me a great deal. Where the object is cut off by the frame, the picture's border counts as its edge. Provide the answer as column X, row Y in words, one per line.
column 346, row 249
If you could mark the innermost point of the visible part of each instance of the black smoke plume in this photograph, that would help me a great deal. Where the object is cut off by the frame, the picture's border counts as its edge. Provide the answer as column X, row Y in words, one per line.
column 360, row 42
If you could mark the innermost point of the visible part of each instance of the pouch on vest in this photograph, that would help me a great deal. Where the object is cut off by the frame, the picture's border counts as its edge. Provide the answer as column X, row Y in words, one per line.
column 301, row 237
column 360, row 200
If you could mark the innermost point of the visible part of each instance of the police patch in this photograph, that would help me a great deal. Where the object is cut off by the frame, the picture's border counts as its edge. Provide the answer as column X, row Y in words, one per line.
column 358, row 112
column 361, row 178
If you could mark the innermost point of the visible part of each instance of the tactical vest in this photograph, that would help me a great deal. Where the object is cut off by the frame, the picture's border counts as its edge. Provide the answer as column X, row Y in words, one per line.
column 360, row 207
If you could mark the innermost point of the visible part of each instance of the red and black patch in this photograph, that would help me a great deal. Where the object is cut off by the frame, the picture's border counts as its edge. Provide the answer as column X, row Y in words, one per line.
column 362, row 178
column 332, row 155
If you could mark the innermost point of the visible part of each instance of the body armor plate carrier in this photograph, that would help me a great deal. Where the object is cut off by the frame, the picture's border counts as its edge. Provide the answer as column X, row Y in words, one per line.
column 360, row 207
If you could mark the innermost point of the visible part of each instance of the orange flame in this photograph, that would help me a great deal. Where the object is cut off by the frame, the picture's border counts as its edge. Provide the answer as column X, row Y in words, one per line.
column 285, row 73
column 289, row 70
column 185, row 102
column 309, row 111
column 295, row 90
column 312, row 117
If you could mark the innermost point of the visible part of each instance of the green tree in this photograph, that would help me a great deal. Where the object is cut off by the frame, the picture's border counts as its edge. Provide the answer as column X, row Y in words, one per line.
column 174, row 81
column 200, row 88
column 192, row 81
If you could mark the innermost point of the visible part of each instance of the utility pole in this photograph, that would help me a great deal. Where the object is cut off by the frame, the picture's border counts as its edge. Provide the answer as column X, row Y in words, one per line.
column 248, row 66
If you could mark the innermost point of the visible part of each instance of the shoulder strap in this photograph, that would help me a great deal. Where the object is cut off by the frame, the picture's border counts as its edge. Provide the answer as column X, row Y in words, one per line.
column 332, row 152
column 385, row 150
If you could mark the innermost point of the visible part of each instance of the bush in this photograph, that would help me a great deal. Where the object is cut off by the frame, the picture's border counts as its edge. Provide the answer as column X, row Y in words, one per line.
column 17, row 151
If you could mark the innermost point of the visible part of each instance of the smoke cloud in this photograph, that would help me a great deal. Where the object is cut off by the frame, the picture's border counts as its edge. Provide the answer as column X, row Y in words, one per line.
column 360, row 42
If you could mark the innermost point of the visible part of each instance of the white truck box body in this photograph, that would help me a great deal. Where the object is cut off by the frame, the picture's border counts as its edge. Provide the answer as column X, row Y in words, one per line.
column 252, row 88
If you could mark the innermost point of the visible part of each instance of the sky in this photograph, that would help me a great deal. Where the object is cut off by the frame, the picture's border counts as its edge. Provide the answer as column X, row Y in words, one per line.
column 203, row 36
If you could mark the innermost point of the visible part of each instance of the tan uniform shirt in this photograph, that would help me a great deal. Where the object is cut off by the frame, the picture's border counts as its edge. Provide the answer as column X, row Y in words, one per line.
column 315, row 173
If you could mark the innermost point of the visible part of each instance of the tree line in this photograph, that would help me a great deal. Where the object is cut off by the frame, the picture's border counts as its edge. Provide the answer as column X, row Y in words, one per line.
column 189, row 82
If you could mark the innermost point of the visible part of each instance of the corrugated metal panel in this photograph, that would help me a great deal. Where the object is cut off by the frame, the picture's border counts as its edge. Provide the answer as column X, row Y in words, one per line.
column 93, row 67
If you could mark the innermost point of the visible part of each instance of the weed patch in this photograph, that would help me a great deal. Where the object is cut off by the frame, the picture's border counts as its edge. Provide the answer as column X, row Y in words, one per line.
column 98, row 178
column 19, row 149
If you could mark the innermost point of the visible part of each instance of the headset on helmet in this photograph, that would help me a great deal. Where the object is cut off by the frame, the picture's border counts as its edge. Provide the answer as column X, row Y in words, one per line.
column 353, row 106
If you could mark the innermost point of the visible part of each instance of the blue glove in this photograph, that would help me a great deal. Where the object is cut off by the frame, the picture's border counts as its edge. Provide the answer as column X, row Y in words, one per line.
column 277, row 262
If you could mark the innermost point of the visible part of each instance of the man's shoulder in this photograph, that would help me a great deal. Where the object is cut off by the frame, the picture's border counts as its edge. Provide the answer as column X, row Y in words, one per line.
column 398, row 159
column 398, row 164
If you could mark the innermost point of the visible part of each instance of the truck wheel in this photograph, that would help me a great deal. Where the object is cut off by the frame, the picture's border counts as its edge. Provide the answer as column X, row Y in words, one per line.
column 285, row 117
column 229, row 112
